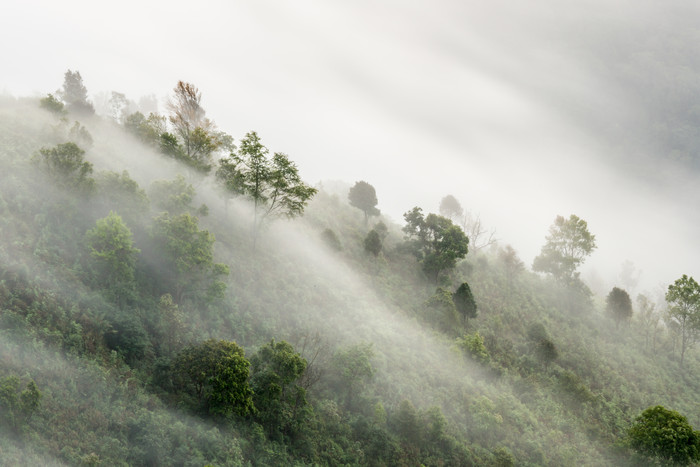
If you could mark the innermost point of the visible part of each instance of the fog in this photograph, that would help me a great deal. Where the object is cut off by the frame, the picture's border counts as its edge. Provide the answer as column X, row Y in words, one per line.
column 292, row 281
column 521, row 112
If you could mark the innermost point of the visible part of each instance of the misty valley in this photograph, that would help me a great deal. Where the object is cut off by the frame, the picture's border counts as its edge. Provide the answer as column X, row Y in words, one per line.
column 171, row 294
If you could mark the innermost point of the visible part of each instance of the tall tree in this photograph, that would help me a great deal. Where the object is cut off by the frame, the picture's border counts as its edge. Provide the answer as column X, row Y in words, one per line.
column 74, row 94
column 188, row 258
column 111, row 245
column 280, row 401
column 195, row 131
column 450, row 208
column 569, row 242
column 619, row 305
column 363, row 196
column 683, row 296
column 435, row 241
column 274, row 185
column 464, row 301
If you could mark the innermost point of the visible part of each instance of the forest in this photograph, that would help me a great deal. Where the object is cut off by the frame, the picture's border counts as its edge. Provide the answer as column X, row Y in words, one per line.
column 171, row 294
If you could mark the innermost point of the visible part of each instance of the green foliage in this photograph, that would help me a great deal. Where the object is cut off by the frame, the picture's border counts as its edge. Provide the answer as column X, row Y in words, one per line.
column 659, row 433
column 464, row 302
column 193, row 129
column 53, row 105
column 79, row 134
column 215, row 374
column 373, row 243
column 120, row 193
column 111, row 245
column 442, row 312
column 353, row 369
column 363, row 196
column 618, row 305
column 17, row 407
column 569, row 242
column 683, row 296
column 187, row 256
column 435, row 241
column 148, row 129
column 274, row 185
column 279, row 400
column 174, row 196
column 74, row 94
column 65, row 164
column 473, row 345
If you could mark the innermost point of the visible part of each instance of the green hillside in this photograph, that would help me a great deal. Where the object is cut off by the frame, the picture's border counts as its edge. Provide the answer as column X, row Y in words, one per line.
column 150, row 314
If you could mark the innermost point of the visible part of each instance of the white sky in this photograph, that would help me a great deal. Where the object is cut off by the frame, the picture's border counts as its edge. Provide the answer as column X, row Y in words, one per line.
column 420, row 99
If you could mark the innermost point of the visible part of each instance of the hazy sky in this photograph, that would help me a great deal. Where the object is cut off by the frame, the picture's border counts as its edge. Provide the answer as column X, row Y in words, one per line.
column 492, row 104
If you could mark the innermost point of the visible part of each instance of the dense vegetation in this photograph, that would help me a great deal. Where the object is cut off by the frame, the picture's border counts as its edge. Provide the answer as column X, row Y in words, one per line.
column 155, row 310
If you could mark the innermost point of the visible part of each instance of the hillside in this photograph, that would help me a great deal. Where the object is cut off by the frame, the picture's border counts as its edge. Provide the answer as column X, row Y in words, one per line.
column 341, row 357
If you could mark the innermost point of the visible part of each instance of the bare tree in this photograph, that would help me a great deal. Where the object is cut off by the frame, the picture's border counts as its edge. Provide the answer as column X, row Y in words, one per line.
column 479, row 237
column 195, row 131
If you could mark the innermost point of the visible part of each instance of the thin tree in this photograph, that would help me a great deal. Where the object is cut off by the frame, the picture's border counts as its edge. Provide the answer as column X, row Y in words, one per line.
column 683, row 296
column 274, row 185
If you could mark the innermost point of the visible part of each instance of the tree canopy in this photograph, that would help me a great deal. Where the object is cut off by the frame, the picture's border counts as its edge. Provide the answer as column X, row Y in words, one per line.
column 363, row 196
column 683, row 296
column 111, row 245
column 74, row 94
column 435, row 241
column 274, row 185
column 66, row 165
column 215, row 372
column 186, row 254
column 464, row 301
column 619, row 305
column 659, row 433
column 569, row 242
column 451, row 208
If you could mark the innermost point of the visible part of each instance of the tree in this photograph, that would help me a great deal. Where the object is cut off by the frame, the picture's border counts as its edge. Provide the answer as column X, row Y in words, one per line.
column 442, row 312
column 619, row 305
column 17, row 407
column 194, row 130
column 280, row 401
column 353, row 368
column 435, row 241
column 450, row 208
column 363, row 196
column 215, row 373
column 569, row 242
column 121, row 192
column 659, row 433
column 683, row 296
column 66, row 166
column 464, row 301
column 149, row 129
column 650, row 319
column 111, row 245
column 541, row 344
column 175, row 196
column 373, row 243
column 274, row 185
column 53, row 105
column 188, row 259
column 511, row 261
column 74, row 94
